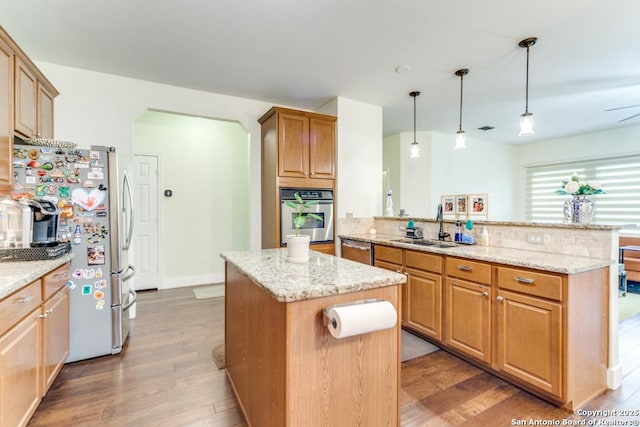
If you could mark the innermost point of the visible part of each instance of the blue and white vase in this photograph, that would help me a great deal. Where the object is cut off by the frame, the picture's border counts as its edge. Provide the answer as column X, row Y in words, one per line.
column 579, row 210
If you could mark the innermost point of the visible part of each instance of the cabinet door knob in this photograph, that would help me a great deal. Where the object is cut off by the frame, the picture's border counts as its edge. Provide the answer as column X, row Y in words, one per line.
column 50, row 311
column 43, row 316
column 485, row 294
column 499, row 298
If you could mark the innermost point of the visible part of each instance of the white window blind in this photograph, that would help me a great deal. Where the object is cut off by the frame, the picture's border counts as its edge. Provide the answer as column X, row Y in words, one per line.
column 620, row 179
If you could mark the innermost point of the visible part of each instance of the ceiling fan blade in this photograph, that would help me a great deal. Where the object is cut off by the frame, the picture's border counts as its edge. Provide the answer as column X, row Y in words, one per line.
column 629, row 118
column 622, row 108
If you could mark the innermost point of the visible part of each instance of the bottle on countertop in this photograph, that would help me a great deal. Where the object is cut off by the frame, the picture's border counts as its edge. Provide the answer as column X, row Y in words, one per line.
column 484, row 236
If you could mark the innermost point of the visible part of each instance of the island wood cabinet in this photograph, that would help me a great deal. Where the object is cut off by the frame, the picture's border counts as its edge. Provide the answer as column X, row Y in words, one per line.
column 468, row 307
column 298, row 151
column 34, row 343
column 27, row 104
column 544, row 331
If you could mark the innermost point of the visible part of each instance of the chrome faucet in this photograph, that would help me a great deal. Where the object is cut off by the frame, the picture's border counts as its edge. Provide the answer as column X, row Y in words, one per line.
column 440, row 218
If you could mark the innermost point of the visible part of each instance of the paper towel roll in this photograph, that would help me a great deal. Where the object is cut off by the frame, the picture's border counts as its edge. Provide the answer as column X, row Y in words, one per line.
column 349, row 320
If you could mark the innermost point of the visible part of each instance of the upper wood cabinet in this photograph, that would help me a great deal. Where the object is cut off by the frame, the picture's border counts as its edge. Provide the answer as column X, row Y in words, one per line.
column 6, row 117
column 26, row 104
column 305, row 143
column 25, row 101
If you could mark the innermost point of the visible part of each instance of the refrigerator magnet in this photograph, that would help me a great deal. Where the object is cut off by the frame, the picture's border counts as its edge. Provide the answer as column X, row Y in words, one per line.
column 98, row 295
column 77, row 273
column 95, row 255
column 99, row 273
column 88, row 273
column 100, row 304
column 86, row 290
column 94, row 154
column 100, row 284
column 71, row 284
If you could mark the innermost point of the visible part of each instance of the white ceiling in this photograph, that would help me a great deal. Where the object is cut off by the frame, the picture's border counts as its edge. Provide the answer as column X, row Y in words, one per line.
column 302, row 53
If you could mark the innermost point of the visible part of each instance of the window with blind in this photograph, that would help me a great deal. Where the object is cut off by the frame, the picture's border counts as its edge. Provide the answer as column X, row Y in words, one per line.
column 620, row 179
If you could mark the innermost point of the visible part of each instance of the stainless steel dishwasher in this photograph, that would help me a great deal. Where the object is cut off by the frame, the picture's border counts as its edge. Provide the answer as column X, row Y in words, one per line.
column 356, row 250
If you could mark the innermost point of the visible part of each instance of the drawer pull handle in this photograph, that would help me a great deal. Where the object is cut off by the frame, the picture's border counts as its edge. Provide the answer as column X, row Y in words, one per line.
column 465, row 268
column 50, row 311
column 499, row 298
column 25, row 299
column 525, row 280
column 485, row 294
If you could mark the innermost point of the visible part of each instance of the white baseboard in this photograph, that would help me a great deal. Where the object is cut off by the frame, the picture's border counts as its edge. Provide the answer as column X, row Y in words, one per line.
column 184, row 281
column 614, row 377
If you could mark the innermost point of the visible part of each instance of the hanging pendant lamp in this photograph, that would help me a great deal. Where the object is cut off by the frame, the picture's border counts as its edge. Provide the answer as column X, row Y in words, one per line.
column 415, row 147
column 526, row 119
column 460, row 135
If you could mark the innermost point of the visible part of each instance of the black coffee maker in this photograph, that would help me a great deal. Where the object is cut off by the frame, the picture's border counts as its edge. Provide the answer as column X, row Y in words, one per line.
column 45, row 223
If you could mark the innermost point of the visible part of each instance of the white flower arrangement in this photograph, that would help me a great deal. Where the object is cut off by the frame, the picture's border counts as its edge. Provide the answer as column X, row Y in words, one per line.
column 575, row 187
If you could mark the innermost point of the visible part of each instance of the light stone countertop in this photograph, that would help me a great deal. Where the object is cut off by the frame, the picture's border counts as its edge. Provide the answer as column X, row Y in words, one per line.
column 558, row 263
column 16, row 275
column 323, row 275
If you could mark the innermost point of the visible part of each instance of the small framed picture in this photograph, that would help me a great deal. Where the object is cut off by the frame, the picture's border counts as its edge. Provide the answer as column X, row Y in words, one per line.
column 461, row 205
column 448, row 205
column 478, row 204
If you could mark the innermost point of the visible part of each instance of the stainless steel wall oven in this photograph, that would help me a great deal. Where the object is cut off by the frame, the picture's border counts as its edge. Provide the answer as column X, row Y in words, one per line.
column 318, row 230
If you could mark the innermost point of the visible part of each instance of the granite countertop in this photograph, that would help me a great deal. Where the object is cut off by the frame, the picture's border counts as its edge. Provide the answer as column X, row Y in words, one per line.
column 16, row 275
column 323, row 275
column 558, row 263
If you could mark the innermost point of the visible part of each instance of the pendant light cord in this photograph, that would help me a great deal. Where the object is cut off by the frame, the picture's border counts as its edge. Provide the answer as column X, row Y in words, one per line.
column 460, row 125
column 526, row 96
column 414, row 119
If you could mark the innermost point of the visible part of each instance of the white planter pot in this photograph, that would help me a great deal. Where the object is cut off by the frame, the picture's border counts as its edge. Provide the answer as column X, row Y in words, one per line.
column 298, row 248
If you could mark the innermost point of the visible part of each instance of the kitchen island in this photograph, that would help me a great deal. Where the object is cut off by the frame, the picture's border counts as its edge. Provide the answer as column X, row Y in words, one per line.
column 285, row 366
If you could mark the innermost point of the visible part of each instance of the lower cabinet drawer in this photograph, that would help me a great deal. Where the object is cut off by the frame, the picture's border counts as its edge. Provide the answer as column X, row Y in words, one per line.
column 16, row 306
column 473, row 271
column 52, row 282
column 530, row 282
column 386, row 253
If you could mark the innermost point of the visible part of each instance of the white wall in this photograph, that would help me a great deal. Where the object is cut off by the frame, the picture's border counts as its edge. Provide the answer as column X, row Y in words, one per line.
column 359, row 156
column 483, row 167
column 206, row 165
column 98, row 108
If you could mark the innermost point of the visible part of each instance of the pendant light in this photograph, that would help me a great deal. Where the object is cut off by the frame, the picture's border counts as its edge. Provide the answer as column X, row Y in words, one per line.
column 526, row 119
column 415, row 147
column 460, row 135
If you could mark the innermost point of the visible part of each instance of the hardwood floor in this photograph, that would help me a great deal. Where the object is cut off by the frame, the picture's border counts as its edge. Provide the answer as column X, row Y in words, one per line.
column 166, row 377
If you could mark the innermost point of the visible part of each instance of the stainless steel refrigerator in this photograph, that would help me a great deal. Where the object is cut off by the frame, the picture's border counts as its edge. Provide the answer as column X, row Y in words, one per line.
column 96, row 216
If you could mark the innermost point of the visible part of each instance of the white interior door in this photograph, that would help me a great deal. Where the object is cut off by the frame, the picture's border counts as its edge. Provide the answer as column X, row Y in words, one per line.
column 147, row 224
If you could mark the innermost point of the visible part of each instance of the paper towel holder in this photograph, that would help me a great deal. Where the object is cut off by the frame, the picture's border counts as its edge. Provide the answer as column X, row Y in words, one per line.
column 325, row 311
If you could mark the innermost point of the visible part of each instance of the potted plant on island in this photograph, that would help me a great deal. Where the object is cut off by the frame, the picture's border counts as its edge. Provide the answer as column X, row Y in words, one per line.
column 298, row 244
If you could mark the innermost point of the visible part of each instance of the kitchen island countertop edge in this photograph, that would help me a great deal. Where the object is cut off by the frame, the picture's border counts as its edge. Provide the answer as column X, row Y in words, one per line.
column 323, row 275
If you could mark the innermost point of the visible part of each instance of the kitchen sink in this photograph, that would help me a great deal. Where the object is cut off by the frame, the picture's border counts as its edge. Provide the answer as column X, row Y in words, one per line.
column 427, row 242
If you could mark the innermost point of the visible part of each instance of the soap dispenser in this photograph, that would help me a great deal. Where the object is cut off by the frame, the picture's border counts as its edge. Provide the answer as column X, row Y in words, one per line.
column 484, row 236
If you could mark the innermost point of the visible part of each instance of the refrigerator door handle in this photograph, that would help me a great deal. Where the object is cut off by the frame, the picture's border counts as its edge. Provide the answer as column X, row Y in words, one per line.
column 132, row 300
column 127, row 186
column 131, row 271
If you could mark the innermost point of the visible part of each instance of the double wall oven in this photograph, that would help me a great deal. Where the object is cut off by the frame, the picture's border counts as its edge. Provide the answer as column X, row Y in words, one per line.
column 319, row 230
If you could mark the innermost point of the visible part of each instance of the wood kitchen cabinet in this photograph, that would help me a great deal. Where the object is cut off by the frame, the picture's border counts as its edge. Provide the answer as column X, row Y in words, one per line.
column 298, row 151
column 546, row 332
column 392, row 259
column 424, row 293
column 6, row 117
column 33, row 104
column 26, row 109
column 306, row 144
column 468, row 308
column 34, row 344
